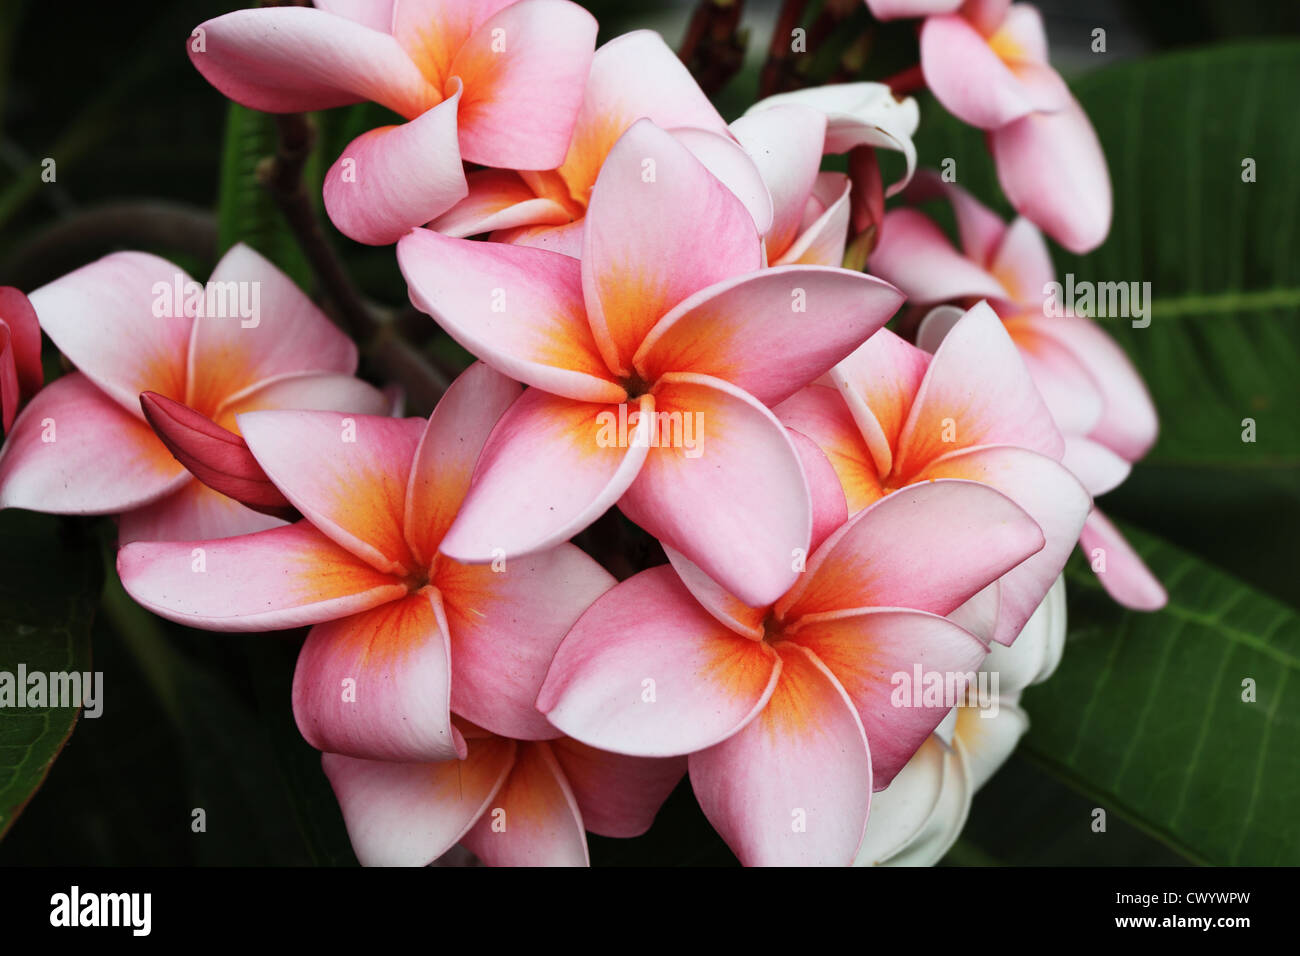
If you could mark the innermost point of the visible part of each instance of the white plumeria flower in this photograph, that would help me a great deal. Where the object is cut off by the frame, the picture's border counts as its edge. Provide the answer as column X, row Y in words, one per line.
column 918, row 817
column 858, row 114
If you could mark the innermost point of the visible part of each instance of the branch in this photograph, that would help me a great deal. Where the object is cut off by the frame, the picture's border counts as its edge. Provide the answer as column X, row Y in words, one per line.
column 714, row 48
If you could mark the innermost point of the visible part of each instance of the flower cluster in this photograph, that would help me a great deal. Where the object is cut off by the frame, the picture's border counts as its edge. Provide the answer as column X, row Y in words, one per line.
column 849, row 530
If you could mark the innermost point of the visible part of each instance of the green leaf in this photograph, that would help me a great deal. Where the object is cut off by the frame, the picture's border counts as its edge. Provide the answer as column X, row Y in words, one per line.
column 48, row 586
column 1183, row 722
column 245, row 211
column 1220, row 254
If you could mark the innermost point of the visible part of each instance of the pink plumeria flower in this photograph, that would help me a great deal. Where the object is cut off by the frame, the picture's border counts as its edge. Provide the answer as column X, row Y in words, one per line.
column 898, row 416
column 785, row 709
column 669, row 317
column 132, row 323
column 1092, row 389
column 633, row 76
column 986, row 61
column 495, row 82
column 20, row 353
column 510, row 802
column 919, row 816
column 411, row 632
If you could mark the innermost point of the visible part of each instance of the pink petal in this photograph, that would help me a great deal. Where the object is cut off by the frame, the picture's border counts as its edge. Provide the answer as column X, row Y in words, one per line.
column 520, row 310
column 119, row 321
column 822, row 242
column 700, row 497
column 534, row 818
column 566, row 239
column 618, row 795
column 1126, row 578
column 916, row 256
column 1051, row 496
column 732, row 167
column 967, row 76
column 432, row 32
column 377, row 685
column 498, row 199
column 448, row 452
column 326, row 392
column 725, row 607
column 546, row 473
column 865, row 650
column 505, row 624
column 409, row 814
column 977, row 391
column 281, row 578
column 793, row 787
column 900, row 9
column 830, row 507
column 1097, row 467
column 346, row 474
column 821, row 414
column 1022, row 263
column 1068, row 389
column 771, row 332
column 644, row 246
column 290, row 59
column 929, row 547
column 75, row 451
column 633, row 76
column 786, row 144
column 1052, row 168
column 1128, row 423
column 288, row 335
column 17, row 313
column 375, row 14
column 648, row 672
column 979, row 227
column 524, row 70
column 391, row 179
column 879, row 383
column 194, row 513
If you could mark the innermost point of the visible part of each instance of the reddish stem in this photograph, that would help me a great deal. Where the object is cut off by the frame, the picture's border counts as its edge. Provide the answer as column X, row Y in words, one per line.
column 908, row 81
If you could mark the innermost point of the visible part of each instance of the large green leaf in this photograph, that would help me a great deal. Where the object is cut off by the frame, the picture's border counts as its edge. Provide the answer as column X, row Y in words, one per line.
column 1151, row 716
column 1221, row 256
column 48, row 586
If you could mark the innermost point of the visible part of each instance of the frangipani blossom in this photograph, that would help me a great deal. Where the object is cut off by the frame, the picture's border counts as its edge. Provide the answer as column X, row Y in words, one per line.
column 898, row 416
column 785, row 709
column 668, row 322
column 1091, row 388
column 510, row 802
column 919, row 816
column 411, row 632
column 633, row 76
column 20, row 353
column 128, row 323
column 987, row 64
column 496, row 82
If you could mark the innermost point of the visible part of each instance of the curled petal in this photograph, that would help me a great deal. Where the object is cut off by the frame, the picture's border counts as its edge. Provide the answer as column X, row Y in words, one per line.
column 392, row 179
